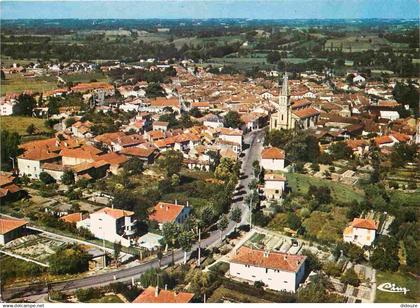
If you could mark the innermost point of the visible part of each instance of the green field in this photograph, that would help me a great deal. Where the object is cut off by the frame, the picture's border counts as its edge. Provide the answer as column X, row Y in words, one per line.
column 85, row 77
column 340, row 192
column 19, row 124
column 401, row 280
column 17, row 83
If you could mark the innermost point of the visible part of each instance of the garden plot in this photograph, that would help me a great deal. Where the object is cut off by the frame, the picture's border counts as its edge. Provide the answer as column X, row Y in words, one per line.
column 34, row 246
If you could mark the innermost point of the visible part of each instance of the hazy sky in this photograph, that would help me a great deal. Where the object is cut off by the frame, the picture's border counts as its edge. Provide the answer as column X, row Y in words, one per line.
column 257, row 9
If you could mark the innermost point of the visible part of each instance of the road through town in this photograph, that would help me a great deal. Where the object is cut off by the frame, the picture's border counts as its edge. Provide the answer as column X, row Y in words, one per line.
column 254, row 139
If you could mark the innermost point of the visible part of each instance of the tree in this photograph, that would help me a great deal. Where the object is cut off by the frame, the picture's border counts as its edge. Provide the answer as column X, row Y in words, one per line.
column 171, row 162
column 199, row 282
column 256, row 167
column 236, row 215
column 170, row 232
column 350, row 277
column 226, row 169
column 232, row 119
column 385, row 256
column 9, row 147
column 30, row 129
column 293, row 221
column 313, row 263
column 133, row 166
column 222, row 225
column 117, row 250
column 68, row 177
column 25, row 105
column 46, row 178
column 159, row 255
column 195, row 112
column 85, row 295
column 69, row 122
column 2, row 76
column 186, row 121
column 154, row 89
column 70, row 259
column 206, row 215
column 185, row 241
column 403, row 153
column 340, row 150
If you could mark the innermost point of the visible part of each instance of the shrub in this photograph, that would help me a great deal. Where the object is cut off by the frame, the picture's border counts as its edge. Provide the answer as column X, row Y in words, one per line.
column 350, row 277
column 85, row 295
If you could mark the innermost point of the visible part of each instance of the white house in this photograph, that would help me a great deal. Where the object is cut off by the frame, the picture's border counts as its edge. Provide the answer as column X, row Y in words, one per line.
column 359, row 79
column 278, row 271
column 360, row 232
column 7, row 107
column 167, row 212
column 389, row 114
column 30, row 163
column 274, row 185
column 272, row 158
column 113, row 225
column 233, row 137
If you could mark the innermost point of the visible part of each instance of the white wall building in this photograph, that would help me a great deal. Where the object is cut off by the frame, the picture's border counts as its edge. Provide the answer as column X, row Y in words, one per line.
column 360, row 232
column 274, row 185
column 113, row 225
column 278, row 271
column 272, row 159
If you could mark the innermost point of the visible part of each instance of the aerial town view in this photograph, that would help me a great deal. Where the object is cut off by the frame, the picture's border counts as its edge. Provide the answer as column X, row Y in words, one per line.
column 199, row 151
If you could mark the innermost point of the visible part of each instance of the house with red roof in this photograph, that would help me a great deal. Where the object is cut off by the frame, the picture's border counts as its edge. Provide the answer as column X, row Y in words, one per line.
column 113, row 225
column 361, row 232
column 11, row 229
column 272, row 158
column 169, row 212
column 9, row 190
column 278, row 271
column 154, row 295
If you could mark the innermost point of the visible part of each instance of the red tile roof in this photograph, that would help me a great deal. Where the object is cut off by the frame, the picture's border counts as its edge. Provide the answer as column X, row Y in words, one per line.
column 116, row 213
column 113, row 158
column 163, row 296
column 72, row 218
column 272, row 260
column 85, row 152
column 165, row 212
column 140, row 152
column 272, row 153
column 364, row 223
column 306, row 112
column 164, row 102
column 383, row 140
column 7, row 225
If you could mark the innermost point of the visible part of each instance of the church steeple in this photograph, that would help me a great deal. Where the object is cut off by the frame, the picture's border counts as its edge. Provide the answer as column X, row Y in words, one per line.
column 284, row 88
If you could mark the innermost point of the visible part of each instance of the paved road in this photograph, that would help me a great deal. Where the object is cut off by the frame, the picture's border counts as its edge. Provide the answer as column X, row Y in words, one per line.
column 126, row 274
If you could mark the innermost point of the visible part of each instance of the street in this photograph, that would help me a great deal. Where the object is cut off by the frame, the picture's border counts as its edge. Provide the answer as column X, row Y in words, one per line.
column 126, row 274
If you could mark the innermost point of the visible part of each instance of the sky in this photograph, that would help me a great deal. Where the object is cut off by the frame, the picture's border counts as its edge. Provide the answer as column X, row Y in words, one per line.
column 202, row 9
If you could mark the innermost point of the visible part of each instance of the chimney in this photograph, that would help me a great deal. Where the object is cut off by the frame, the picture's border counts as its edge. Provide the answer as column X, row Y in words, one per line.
column 157, row 291
column 188, row 204
column 176, row 201
column 266, row 253
column 285, row 257
column 166, row 287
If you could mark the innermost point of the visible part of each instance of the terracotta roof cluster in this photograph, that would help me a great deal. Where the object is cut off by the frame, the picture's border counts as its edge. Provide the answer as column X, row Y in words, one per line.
column 90, row 165
column 272, row 153
column 7, row 185
column 139, row 152
column 200, row 104
column 84, row 87
column 7, row 225
column 84, row 152
column 355, row 143
column 115, row 213
column 164, row 102
column 383, row 140
column 165, row 212
column 230, row 131
column 268, row 259
column 113, row 158
column 151, row 295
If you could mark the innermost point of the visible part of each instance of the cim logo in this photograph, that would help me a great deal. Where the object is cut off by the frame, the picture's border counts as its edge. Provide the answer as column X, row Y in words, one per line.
column 392, row 288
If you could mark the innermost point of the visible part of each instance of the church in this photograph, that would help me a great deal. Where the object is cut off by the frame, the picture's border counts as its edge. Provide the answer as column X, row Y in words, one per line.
column 289, row 116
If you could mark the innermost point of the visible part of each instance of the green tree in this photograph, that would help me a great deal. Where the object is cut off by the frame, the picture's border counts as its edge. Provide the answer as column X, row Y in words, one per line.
column 350, row 277
column 236, row 215
column 46, row 178
column 154, row 89
column 133, row 166
column 2, row 75
column 25, row 105
column 385, row 255
column 195, row 112
column 85, row 295
column 206, row 215
column 117, row 250
column 185, row 240
column 170, row 233
column 68, row 177
column 9, row 148
column 171, row 162
column 226, row 169
column 200, row 282
column 222, row 224
column 70, row 259
column 232, row 119
column 340, row 150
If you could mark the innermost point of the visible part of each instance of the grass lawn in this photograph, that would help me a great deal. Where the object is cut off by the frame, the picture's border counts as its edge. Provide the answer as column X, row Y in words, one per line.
column 17, row 84
column 410, row 199
column 401, row 280
column 340, row 192
column 19, row 124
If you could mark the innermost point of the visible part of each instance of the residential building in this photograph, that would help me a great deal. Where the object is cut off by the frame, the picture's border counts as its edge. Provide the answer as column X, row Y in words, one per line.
column 274, row 185
column 11, row 229
column 113, row 225
column 361, row 232
column 272, row 158
column 278, row 271
column 154, row 295
column 168, row 212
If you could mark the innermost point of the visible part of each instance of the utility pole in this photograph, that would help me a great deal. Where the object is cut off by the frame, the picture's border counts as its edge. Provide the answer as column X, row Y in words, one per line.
column 250, row 213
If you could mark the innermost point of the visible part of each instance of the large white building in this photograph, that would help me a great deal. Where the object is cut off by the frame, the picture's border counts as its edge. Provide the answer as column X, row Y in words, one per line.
column 272, row 159
column 360, row 232
column 278, row 271
column 30, row 163
column 113, row 225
